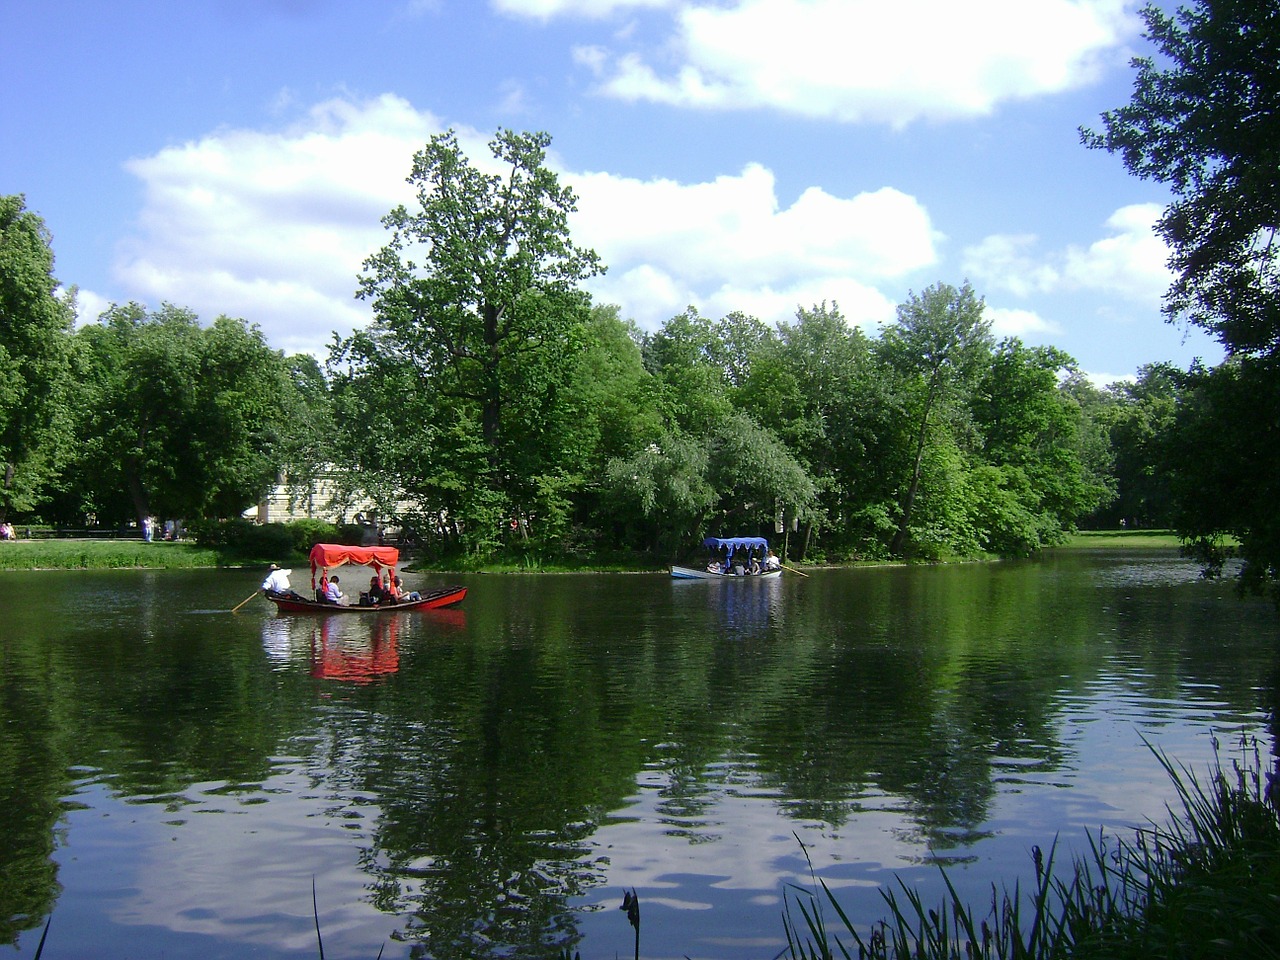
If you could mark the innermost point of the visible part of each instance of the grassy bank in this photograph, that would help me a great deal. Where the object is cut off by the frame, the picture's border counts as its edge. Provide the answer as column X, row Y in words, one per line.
column 67, row 554
column 1120, row 539
column 109, row 555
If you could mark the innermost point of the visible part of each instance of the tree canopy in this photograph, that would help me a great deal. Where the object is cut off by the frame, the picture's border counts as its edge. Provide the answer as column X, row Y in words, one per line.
column 1204, row 119
column 34, row 324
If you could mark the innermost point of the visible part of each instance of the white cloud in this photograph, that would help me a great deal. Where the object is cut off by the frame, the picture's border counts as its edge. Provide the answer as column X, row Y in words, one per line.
column 1132, row 262
column 860, row 60
column 273, row 226
column 728, row 245
column 593, row 9
column 1023, row 324
column 1006, row 262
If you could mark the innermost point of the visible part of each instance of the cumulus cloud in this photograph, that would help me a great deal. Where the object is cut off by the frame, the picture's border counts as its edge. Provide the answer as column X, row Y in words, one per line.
column 1008, row 263
column 273, row 226
column 1132, row 261
column 1023, row 324
column 728, row 244
column 546, row 9
column 1129, row 263
column 857, row 60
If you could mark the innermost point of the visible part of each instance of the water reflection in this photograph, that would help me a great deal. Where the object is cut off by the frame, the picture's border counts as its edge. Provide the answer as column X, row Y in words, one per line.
column 485, row 781
column 357, row 648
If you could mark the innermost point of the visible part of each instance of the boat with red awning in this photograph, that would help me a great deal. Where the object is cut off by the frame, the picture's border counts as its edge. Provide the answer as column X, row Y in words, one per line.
column 383, row 560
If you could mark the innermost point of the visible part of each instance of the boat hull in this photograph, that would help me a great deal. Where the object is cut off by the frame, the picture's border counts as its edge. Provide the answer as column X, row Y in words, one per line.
column 692, row 573
column 434, row 600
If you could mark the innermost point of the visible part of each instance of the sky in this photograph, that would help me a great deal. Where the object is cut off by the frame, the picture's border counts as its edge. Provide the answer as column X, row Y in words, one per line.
column 237, row 156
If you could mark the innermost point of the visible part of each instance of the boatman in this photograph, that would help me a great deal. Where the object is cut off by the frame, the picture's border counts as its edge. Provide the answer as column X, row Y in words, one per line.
column 277, row 580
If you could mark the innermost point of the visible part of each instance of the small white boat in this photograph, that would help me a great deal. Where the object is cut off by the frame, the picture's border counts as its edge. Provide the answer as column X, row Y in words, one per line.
column 689, row 573
column 724, row 566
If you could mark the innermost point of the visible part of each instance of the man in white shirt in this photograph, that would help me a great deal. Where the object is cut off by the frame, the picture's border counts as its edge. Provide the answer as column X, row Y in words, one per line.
column 277, row 580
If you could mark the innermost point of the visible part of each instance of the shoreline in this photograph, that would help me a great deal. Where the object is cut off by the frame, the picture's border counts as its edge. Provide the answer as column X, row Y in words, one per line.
column 83, row 553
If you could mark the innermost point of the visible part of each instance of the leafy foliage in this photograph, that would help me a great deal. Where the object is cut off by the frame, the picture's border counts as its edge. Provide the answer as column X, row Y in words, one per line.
column 1203, row 119
column 34, row 324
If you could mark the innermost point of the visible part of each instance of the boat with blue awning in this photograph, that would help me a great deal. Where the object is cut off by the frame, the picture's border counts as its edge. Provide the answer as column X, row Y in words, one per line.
column 734, row 558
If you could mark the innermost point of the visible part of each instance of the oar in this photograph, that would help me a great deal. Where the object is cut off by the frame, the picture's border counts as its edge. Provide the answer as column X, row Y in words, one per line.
column 794, row 570
column 244, row 601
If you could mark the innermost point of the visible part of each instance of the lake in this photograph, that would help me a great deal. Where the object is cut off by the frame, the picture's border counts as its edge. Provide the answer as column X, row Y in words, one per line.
column 489, row 781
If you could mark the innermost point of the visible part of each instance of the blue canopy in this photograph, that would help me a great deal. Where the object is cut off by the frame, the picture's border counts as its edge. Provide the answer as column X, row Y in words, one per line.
column 736, row 543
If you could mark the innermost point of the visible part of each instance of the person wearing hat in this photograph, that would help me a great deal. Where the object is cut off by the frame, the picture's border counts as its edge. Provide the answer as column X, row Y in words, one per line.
column 277, row 580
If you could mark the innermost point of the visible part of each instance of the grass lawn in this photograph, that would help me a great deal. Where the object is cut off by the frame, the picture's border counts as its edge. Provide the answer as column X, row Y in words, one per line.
column 1121, row 539
column 106, row 554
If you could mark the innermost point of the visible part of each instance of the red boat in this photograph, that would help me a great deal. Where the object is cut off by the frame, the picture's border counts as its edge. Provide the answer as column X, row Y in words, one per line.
column 327, row 556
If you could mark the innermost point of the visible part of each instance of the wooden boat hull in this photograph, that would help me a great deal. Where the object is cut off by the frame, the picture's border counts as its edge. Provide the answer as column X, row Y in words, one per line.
column 692, row 573
column 433, row 600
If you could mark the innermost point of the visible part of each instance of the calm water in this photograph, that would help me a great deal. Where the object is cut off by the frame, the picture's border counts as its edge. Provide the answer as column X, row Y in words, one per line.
column 489, row 781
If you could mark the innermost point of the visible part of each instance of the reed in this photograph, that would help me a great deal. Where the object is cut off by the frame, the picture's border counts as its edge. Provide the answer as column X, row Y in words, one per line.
column 1207, row 884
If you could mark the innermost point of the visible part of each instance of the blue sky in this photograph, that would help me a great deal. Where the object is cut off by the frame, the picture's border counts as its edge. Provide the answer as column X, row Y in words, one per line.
column 236, row 156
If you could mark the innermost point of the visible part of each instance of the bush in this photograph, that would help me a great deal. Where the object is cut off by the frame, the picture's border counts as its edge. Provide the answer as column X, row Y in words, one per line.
column 264, row 541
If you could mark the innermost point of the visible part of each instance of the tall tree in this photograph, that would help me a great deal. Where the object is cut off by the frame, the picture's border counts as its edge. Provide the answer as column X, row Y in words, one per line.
column 35, row 326
column 938, row 345
column 187, row 421
column 1205, row 120
column 1032, row 451
column 477, row 295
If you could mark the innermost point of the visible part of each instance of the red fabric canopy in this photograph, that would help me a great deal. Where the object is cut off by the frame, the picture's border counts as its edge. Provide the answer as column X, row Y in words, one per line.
column 328, row 555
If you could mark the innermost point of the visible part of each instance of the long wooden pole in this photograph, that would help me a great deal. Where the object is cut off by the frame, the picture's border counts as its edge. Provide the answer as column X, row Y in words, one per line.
column 244, row 601
column 794, row 570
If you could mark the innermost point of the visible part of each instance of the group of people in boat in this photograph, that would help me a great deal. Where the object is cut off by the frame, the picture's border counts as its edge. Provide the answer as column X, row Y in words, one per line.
column 736, row 565
column 384, row 590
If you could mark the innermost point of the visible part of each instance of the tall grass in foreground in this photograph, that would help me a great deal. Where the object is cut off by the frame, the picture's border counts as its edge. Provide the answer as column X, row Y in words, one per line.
column 1205, row 885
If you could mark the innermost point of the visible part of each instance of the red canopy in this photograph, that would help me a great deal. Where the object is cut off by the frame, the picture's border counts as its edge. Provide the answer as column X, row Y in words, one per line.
column 328, row 555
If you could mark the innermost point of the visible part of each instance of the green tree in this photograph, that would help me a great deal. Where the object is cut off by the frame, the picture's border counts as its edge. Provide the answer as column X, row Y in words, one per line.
column 938, row 346
column 812, row 384
column 1225, row 445
column 663, row 490
column 1204, row 121
column 477, row 295
column 1037, row 483
column 35, row 325
column 1140, row 416
column 688, row 358
column 186, row 421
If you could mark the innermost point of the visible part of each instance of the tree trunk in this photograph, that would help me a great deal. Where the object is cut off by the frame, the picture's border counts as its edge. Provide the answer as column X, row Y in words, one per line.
column 909, row 501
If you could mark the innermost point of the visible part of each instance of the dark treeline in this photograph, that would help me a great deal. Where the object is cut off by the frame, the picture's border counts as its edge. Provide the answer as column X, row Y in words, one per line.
column 496, row 411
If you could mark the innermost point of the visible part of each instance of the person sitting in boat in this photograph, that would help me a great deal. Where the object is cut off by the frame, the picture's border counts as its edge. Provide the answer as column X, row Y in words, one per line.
column 374, row 596
column 771, row 562
column 715, row 566
column 389, row 592
column 754, row 566
column 409, row 596
column 332, row 592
